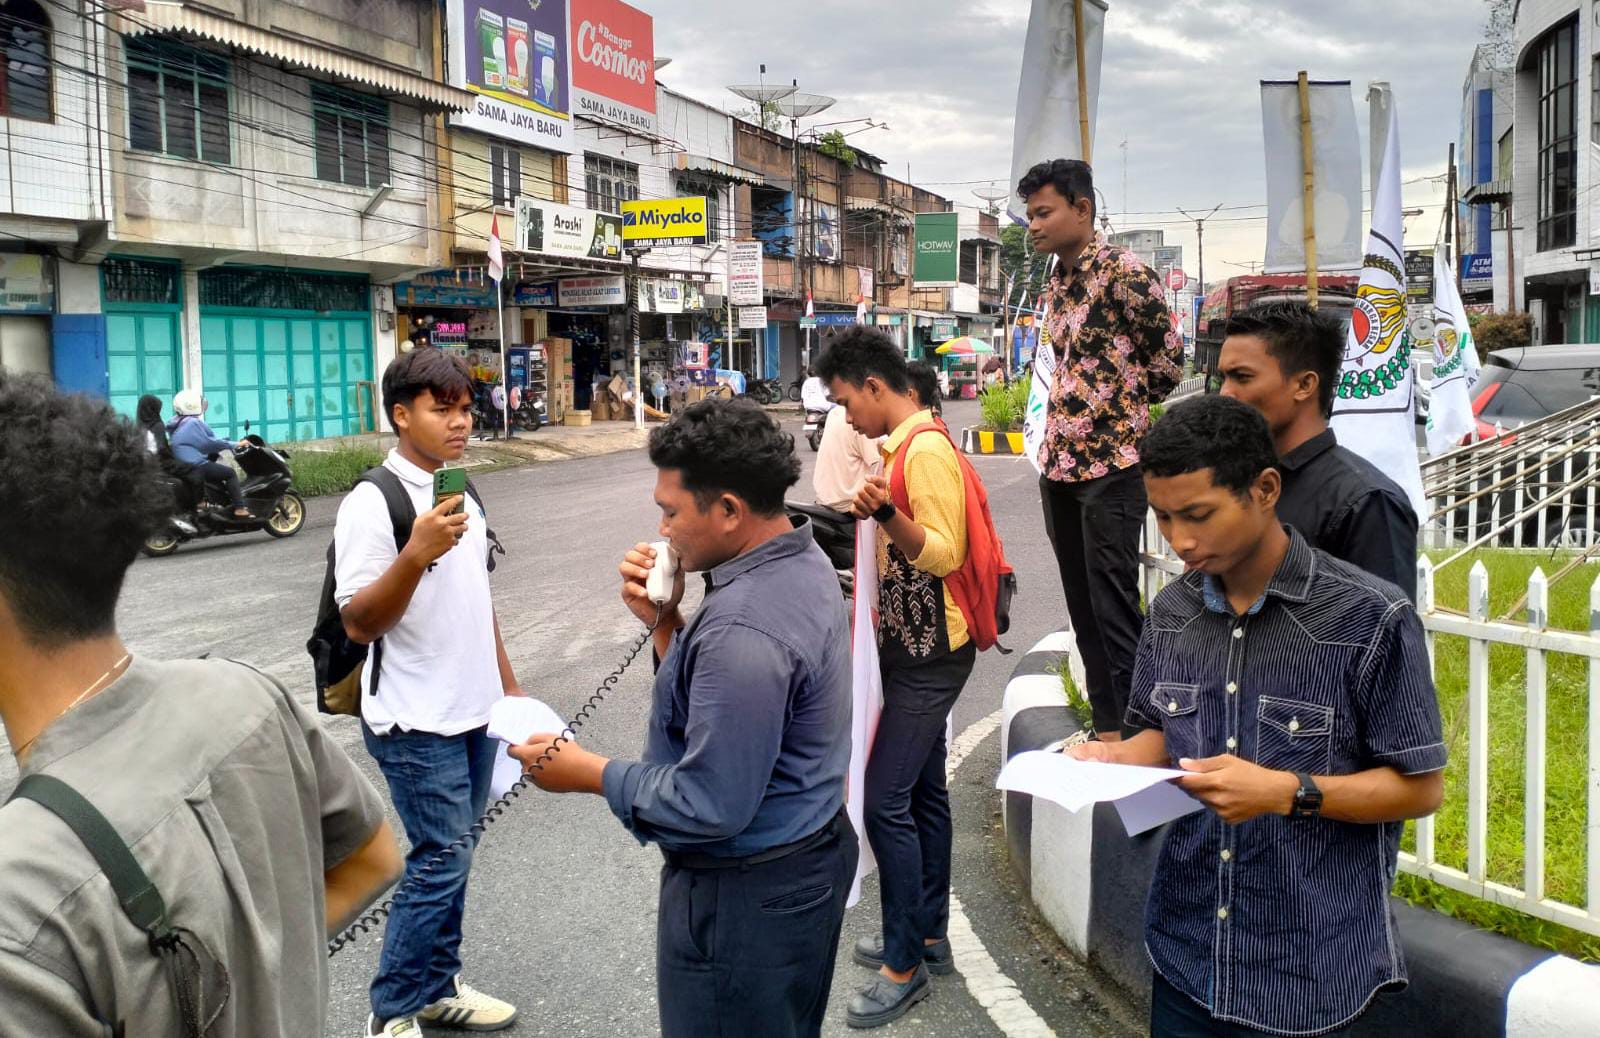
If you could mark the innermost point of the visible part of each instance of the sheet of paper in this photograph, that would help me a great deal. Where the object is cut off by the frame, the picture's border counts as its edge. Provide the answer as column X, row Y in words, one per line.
column 512, row 720
column 1145, row 797
column 1155, row 805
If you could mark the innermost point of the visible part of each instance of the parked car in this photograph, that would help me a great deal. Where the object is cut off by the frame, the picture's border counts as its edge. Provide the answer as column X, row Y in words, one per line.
column 1521, row 385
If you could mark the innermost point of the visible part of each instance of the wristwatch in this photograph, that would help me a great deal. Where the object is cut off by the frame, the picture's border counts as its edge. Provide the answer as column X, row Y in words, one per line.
column 885, row 513
column 1307, row 799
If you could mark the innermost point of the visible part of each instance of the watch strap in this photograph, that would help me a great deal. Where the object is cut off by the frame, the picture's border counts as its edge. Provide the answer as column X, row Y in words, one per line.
column 885, row 512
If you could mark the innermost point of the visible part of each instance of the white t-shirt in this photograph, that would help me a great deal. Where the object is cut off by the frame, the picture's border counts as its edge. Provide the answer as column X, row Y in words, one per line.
column 441, row 673
column 814, row 395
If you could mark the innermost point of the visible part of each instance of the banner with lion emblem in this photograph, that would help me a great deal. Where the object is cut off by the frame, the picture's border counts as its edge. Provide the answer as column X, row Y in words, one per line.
column 1455, row 363
column 1374, row 401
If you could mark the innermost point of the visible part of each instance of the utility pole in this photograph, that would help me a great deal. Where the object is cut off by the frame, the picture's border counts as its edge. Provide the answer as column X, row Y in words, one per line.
column 1450, row 208
column 1200, row 244
column 635, row 255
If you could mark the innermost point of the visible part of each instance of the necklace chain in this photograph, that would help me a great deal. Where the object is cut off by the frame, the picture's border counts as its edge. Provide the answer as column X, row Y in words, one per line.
column 73, row 705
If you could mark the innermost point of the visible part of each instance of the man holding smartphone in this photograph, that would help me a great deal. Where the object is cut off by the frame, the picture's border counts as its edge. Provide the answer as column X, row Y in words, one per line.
column 742, row 781
column 439, row 665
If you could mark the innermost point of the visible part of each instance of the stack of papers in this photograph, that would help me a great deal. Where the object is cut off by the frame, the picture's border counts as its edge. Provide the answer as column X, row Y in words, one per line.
column 1144, row 797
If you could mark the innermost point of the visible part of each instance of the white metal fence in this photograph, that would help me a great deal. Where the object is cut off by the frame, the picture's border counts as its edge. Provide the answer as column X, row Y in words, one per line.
column 1540, row 644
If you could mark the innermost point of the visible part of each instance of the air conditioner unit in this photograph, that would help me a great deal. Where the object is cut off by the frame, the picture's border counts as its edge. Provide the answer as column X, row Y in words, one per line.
column 714, row 300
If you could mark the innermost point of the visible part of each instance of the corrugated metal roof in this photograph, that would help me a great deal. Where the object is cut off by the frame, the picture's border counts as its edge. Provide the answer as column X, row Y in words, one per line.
column 159, row 17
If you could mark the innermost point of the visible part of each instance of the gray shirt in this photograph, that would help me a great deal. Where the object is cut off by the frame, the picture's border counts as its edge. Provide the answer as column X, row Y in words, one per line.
column 234, row 802
column 749, row 737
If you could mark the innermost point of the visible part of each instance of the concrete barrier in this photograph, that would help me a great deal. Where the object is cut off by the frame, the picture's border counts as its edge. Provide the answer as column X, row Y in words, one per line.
column 1089, row 880
column 987, row 441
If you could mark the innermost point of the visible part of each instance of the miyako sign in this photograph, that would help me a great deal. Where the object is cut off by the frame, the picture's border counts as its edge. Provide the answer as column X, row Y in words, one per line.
column 614, row 64
column 664, row 221
column 937, row 263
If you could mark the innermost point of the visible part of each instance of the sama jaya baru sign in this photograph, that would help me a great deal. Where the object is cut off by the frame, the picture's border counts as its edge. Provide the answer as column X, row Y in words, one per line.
column 513, row 55
column 664, row 221
column 614, row 64
column 938, row 251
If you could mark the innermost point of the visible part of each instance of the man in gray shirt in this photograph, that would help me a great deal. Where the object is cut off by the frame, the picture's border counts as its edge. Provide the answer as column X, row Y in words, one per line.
column 256, row 830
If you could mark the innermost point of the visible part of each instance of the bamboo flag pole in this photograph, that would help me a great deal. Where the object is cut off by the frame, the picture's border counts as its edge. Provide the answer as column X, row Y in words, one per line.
column 1083, row 82
column 1308, row 197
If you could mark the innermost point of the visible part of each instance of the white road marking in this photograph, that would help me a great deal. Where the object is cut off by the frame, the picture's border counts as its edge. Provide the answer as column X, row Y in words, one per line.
column 993, row 990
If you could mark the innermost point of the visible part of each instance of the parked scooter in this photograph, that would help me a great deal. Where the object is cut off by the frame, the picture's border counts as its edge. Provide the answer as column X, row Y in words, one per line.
column 835, row 534
column 815, row 420
column 202, row 510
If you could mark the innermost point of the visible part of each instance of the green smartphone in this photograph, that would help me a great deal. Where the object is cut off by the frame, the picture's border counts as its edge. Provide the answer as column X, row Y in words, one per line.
column 450, row 482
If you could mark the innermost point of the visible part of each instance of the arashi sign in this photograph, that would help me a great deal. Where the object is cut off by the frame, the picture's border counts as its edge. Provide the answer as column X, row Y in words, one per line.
column 614, row 64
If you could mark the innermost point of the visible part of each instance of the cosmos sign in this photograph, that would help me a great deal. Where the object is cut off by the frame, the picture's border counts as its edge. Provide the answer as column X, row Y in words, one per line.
column 614, row 64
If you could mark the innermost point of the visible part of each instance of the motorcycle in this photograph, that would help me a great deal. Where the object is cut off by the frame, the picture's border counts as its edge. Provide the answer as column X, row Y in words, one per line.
column 815, row 420
column 835, row 534
column 201, row 510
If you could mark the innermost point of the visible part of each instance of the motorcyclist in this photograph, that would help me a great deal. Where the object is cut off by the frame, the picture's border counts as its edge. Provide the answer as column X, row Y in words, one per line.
column 814, row 394
column 194, row 444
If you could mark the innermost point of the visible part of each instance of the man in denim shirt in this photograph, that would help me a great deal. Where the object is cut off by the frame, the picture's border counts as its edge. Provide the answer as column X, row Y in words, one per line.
column 1296, row 688
column 742, row 780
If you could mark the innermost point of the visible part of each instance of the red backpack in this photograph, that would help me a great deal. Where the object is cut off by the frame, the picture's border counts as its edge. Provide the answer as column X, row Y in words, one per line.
column 985, row 584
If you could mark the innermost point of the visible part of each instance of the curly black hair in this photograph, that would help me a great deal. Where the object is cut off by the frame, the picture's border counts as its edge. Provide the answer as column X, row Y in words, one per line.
column 82, row 494
column 722, row 446
column 860, row 352
column 1073, row 179
column 1299, row 339
column 440, row 372
column 1210, row 432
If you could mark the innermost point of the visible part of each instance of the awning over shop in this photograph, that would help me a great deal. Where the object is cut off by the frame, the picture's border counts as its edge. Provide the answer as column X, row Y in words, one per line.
column 156, row 17
column 873, row 206
column 704, row 164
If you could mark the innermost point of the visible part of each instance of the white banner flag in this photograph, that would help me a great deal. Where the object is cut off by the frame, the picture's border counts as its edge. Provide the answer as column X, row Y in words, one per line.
column 1336, row 165
column 866, row 692
column 1047, row 96
column 1455, row 363
column 1373, row 408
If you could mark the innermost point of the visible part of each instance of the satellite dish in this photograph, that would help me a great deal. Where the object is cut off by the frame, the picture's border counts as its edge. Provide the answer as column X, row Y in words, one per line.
column 761, row 93
column 993, row 195
column 799, row 106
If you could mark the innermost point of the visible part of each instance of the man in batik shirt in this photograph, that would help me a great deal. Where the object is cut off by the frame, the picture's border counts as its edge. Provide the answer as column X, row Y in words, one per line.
column 1117, row 352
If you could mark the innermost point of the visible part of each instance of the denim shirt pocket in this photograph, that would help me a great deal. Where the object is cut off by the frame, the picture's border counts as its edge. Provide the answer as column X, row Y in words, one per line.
column 1294, row 736
column 1178, row 706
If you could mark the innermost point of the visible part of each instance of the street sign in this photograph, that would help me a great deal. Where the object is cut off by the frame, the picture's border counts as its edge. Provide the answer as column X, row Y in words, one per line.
column 1177, row 279
column 752, row 318
column 745, row 286
column 664, row 221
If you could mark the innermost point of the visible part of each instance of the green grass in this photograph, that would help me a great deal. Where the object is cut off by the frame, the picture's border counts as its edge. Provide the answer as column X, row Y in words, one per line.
column 331, row 472
column 1076, row 700
column 1566, row 755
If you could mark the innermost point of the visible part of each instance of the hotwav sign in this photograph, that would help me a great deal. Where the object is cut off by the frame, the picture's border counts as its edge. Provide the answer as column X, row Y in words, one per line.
column 664, row 221
column 938, row 252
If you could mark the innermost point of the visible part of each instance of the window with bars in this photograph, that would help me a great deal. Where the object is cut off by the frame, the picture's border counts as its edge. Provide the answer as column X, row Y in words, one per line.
column 610, row 182
column 352, row 137
column 125, row 280
column 1558, row 137
column 712, row 193
column 177, row 101
column 284, row 290
column 505, row 175
column 25, row 43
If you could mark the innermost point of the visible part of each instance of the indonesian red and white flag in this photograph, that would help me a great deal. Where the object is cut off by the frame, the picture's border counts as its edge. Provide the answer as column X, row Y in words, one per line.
column 861, row 309
column 497, row 263
column 811, row 311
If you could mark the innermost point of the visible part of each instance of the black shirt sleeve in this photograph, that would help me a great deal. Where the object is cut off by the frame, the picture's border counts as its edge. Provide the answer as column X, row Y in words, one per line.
column 1379, row 534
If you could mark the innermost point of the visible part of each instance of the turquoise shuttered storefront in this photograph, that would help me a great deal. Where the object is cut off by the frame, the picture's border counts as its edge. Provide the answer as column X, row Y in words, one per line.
column 285, row 350
column 143, row 305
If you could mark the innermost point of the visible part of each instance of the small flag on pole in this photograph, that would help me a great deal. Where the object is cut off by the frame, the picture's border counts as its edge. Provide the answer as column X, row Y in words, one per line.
column 811, row 311
column 861, row 309
column 497, row 263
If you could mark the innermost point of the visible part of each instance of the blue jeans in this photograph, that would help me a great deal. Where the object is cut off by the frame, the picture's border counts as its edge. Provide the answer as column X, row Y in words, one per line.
column 440, row 785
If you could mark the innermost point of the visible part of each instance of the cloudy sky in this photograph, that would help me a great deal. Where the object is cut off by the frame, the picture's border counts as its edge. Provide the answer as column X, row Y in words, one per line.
column 1180, row 83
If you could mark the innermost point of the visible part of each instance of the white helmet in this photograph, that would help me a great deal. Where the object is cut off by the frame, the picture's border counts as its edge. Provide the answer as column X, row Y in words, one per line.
column 189, row 402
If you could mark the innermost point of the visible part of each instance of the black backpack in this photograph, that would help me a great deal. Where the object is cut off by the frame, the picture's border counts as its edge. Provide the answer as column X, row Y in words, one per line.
column 336, row 660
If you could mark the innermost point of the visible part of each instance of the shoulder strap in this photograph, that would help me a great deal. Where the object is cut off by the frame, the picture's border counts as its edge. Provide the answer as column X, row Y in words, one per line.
column 137, row 895
column 402, row 513
column 495, row 546
column 897, row 472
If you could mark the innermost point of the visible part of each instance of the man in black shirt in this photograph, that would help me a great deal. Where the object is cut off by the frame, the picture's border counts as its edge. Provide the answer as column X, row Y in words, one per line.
column 1283, row 359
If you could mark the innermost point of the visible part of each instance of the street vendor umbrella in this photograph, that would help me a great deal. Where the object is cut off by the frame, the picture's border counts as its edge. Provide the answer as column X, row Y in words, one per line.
column 965, row 346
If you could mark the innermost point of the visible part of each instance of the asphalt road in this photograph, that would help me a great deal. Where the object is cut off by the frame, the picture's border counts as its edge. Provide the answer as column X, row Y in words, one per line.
column 561, row 911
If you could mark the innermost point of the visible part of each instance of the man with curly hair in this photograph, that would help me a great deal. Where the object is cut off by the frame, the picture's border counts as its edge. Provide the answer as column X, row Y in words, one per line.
column 257, row 831
column 742, row 780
